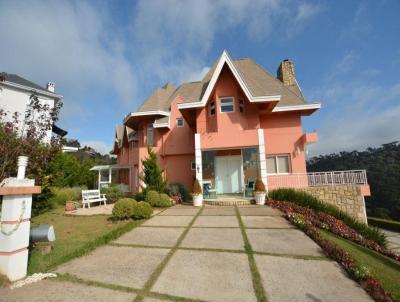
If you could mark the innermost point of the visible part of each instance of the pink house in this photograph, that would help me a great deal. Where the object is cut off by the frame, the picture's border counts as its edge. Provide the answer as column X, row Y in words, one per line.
column 237, row 124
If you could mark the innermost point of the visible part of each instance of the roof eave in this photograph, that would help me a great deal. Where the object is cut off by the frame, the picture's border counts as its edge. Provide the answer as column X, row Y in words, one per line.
column 145, row 113
column 31, row 89
column 306, row 109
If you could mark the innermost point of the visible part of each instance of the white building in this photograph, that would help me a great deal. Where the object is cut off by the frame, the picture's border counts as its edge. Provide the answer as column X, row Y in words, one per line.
column 15, row 93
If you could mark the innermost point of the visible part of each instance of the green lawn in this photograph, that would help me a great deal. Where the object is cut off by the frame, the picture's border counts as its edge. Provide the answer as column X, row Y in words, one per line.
column 385, row 269
column 75, row 236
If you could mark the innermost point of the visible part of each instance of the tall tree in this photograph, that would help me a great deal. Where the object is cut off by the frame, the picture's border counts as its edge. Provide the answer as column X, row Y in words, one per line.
column 152, row 173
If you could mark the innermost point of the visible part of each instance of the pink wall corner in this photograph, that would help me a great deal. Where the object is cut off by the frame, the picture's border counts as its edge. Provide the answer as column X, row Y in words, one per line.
column 365, row 190
column 282, row 135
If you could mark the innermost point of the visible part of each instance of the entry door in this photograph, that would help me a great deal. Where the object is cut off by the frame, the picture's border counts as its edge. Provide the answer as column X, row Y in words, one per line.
column 228, row 174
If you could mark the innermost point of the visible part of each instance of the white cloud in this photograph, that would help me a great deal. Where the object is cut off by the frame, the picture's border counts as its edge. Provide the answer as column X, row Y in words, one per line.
column 356, row 113
column 99, row 146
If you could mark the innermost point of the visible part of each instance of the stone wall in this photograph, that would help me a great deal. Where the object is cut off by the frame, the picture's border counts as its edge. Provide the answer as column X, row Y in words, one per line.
column 348, row 198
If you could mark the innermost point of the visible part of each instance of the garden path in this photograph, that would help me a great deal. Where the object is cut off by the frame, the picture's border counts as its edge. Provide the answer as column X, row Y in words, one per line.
column 247, row 253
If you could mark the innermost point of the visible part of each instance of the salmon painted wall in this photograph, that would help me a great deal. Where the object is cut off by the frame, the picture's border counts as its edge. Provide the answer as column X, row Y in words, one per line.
column 283, row 135
column 228, row 129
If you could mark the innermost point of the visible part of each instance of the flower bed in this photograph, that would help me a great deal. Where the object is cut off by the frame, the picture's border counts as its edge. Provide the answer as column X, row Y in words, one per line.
column 328, row 222
column 302, row 218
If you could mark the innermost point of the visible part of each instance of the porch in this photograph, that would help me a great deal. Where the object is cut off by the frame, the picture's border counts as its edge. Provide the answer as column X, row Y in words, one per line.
column 118, row 174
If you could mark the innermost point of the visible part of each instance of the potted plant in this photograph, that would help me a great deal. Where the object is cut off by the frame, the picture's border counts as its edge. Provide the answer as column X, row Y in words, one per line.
column 197, row 194
column 259, row 192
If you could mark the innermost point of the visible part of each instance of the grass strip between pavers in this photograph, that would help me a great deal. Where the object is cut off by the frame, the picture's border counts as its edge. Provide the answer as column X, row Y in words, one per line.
column 255, row 274
column 154, row 276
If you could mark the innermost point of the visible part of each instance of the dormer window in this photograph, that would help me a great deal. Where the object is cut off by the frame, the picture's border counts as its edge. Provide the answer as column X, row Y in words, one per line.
column 227, row 105
column 212, row 108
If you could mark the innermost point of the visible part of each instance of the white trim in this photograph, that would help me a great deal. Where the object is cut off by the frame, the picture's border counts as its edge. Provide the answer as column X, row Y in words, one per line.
column 297, row 107
column 226, row 98
column 31, row 89
column 226, row 59
column 144, row 113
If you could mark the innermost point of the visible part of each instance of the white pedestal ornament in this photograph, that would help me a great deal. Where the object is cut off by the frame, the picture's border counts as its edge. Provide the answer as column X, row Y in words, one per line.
column 15, row 222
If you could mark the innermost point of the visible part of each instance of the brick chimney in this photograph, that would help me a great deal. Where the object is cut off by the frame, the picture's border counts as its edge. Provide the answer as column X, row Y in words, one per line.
column 50, row 86
column 285, row 73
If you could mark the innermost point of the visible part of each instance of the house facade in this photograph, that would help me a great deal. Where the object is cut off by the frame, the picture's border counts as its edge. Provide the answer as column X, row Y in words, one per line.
column 237, row 124
column 15, row 97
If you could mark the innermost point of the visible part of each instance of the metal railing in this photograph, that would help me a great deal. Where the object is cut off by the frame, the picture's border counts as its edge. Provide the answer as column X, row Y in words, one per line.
column 314, row 179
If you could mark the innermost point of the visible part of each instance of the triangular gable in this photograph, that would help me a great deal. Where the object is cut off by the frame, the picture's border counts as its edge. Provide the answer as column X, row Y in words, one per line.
column 225, row 59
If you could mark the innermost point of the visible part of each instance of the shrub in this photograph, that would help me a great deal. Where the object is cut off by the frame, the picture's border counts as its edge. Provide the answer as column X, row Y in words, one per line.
column 142, row 210
column 124, row 208
column 113, row 193
column 259, row 186
column 62, row 195
column 152, row 172
column 307, row 200
column 140, row 196
column 156, row 199
column 196, row 187
column 178, row 189
column 384, row 224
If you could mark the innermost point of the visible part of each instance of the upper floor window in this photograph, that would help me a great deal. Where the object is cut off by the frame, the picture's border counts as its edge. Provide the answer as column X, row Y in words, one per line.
column 212, row 108
column 179, row 122
column 227, row 104
column 278, row 164
column 241, row 106
column 150, row 134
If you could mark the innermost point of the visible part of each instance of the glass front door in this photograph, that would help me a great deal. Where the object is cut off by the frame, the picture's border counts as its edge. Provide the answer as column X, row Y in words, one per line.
column 228, row 174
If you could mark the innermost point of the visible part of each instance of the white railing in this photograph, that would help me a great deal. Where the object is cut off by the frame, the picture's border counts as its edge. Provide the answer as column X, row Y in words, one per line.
column 314, row 179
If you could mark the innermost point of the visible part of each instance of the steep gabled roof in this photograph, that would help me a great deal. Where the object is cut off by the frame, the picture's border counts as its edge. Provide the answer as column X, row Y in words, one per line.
column 16, row 79
column 158, row 100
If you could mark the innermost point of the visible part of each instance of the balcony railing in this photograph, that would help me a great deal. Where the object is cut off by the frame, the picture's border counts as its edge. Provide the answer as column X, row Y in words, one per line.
column 314, row 179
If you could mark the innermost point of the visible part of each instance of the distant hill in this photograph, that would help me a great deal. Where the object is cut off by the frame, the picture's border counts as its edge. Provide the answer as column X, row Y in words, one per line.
column 383, row 172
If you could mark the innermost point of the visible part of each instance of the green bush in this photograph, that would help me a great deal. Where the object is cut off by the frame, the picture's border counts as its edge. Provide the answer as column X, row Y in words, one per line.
column 140, row 196
column 113, row 193
column 156, row 199
column 62, row 195
column 178, row 189
column 142, row 210
column 124, row 208
column 307, row 200
column 386, row 224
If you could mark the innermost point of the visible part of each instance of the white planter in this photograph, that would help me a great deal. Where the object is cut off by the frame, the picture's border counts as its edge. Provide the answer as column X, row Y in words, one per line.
column 198, row 200
column 260, row 197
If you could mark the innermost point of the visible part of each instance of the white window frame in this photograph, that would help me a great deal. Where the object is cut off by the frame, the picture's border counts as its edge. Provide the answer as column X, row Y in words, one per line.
column 275, row 156
column 212, row 104
column 241, row 105
column 193, row 165
column 180, row 119
column 226, row 98
column 150, row 126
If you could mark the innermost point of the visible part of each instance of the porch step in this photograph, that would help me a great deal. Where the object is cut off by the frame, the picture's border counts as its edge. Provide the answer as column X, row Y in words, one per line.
column 232, row 202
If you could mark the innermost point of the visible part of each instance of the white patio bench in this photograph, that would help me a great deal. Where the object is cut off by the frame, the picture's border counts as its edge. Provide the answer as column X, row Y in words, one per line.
column 89, row 196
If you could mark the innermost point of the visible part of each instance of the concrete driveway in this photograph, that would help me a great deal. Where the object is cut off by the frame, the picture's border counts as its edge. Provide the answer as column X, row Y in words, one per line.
column 247, row 253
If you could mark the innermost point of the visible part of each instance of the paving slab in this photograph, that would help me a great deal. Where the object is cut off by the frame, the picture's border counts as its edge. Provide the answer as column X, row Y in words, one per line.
column 273, row 222
column 126, row 266
column 51, row 291
column 287, row 279
column 216, row 221
column 281, row 241
column 259, row 211
column 168, row 221
column 214, row 238
column 180, row 211
column 151, row 236
column 218, row 211
column 209, row 276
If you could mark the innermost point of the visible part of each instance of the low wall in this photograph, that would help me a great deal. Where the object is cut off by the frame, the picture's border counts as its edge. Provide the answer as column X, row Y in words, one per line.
column 348, row 198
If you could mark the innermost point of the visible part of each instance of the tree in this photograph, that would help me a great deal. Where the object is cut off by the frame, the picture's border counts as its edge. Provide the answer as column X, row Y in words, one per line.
column 24, row 136
column 152, row 173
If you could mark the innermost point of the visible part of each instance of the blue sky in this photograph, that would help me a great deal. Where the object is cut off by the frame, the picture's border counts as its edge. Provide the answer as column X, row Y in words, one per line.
column 107, row 56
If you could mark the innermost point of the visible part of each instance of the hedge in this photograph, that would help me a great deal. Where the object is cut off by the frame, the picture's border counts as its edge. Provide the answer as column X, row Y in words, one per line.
column 390, row 225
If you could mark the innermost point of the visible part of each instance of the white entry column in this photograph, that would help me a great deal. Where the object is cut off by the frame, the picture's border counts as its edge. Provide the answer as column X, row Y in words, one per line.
column 197, row 153
column 261, row 154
